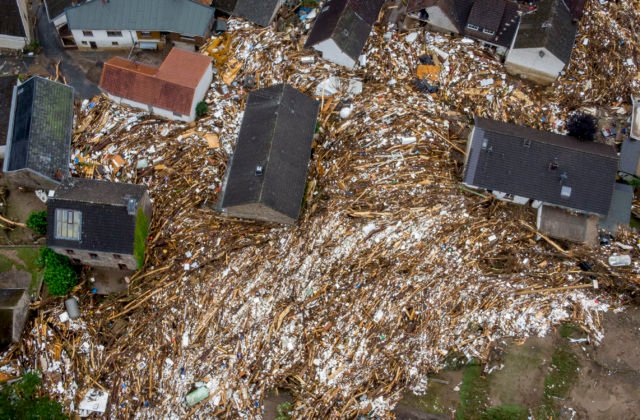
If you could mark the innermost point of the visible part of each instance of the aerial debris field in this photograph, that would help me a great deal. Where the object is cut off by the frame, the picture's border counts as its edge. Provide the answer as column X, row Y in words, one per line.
column 393, row 265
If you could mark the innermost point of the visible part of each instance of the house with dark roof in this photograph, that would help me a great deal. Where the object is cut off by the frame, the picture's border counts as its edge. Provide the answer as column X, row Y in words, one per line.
column 260, row 12
column 543, row 43
column 14, row 305
column 56, row 14
column 7, row 83
column 342, row 29
column 39, row 134
column 147, row 24
column 172, row 90
column 520, row 164
column 15, row 27
column 492, row 22
column 267, row 175
column 99, row 223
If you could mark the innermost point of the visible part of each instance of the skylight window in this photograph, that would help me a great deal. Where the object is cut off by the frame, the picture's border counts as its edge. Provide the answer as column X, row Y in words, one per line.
column 489, row 32
column 473, row 27
column 565, row 192
column 68, row 223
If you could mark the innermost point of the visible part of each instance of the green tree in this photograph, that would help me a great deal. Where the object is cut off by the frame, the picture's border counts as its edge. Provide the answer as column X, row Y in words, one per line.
column 201, row 109
column 59, row 274
column 37, row 222
column 23, row 399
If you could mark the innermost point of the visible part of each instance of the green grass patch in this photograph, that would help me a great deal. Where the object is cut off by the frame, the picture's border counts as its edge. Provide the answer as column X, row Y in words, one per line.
column 29, row 258
column 474, row 393
column 140, row 237
column 506, row 412
column 558, row 383
column 284, row 411
column 568, row 330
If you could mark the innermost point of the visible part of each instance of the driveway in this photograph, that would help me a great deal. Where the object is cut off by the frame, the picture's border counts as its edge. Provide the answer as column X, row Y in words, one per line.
column 75, row 75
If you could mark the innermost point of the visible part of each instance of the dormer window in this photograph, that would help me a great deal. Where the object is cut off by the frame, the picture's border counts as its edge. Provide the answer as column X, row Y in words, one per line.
column 488, row 32
column 473, row 27
column 68, row 224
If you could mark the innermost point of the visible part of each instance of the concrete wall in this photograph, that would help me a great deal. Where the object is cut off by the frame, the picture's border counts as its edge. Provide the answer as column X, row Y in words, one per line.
column 104, row 259
column 20, row 314
column 571, row 226
column 529, row 64
column 12, row 42
column 127, row 40
column 331, row 52
column 30, row 179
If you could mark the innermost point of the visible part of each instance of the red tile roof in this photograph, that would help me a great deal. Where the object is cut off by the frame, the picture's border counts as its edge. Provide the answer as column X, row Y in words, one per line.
column 171, row 86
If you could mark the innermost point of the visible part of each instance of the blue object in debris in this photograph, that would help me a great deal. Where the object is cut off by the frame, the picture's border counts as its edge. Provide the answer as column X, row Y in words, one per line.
column 94, row 290
column 91, row 105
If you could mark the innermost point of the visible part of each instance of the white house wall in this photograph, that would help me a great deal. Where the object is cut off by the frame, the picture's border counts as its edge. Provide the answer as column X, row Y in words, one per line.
column 331, row 52
column 527, row 62
column 153, row 110
column 127, row 40
column 201, row 90
column 440, row 21
column 60, row 20
column 12, row 42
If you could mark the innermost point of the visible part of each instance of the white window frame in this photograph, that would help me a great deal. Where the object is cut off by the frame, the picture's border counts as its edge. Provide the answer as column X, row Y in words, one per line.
column 488, row 32
column 68, row 224
column 473, row 27
column 114, row 34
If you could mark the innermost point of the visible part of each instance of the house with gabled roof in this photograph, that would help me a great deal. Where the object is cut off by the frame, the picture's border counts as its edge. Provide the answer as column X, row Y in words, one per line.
column 342, row 29
column 172, row 90
column 99, row 223
column 520, row 165
column 260, row 12
column 147, row 24
column 39, row 134
column 267, row 175
column 15, row 27
column 543, row 43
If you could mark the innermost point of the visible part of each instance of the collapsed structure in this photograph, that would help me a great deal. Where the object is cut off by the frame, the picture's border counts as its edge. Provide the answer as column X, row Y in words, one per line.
column 268, row 172
column 172, row 90
column 341, row 30
column 559, row 173
column 39, row 134
column 99, row 223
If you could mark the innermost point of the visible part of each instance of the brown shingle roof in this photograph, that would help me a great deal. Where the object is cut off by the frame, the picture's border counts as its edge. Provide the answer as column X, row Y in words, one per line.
column 171, row 86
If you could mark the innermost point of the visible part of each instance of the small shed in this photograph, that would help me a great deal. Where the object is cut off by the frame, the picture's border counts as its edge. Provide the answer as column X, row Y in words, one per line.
column 630, row 157
column 620, row 211
column 267, row 176
column 39, row 134
column 342, row 29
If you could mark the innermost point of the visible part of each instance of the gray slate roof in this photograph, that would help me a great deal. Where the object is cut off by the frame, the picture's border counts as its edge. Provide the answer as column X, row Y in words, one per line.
column 630, row 157
column 519, row 160
column 42, row 125
column 620, row 210
column 226, row 6
column 276, row 132
column 347, row 22
column 56, row 7
column 184, row 17
column 6, row 93
column 259, row 12
column 550, row 27
column 10, row 20
column 106, row 225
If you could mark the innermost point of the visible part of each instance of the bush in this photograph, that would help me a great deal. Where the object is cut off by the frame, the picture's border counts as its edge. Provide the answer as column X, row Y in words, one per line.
column 582, row 126
column 37, row 222
column 140, row 237
column 201, row 109
column 22, row 400
column 284, row 411
column 59, row 274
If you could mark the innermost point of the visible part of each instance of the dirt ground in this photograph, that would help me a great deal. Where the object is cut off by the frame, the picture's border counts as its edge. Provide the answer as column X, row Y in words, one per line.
column 19, row 205
column 604, row 385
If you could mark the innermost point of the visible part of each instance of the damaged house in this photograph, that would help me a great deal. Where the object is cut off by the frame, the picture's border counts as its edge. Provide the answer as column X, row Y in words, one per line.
column 492, row 22
column 39, row 134
column 147, row 24
column 267, row 176
column 544, row 42
column 172, row 90
column 570, row 182
column 15, row 26
column 99, row 223
column 260, row 12
column 56, row 14
column 342, row 29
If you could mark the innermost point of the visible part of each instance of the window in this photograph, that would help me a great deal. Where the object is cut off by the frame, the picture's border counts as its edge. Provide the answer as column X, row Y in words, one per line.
column 565, row 192
column 70, row 251
column 145, row 33
column 488, row 32
column 113, row 34
column 473, row 27
column 177, row 115
column 114, row 43
column 122, row 266
column 93, row 256
column 526, row 143
column 117, row 256
column 87, row 33
column 85, row 43
column 68, row 224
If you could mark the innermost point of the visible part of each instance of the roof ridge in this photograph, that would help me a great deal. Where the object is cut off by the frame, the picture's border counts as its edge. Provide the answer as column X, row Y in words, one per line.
column 273, row 133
